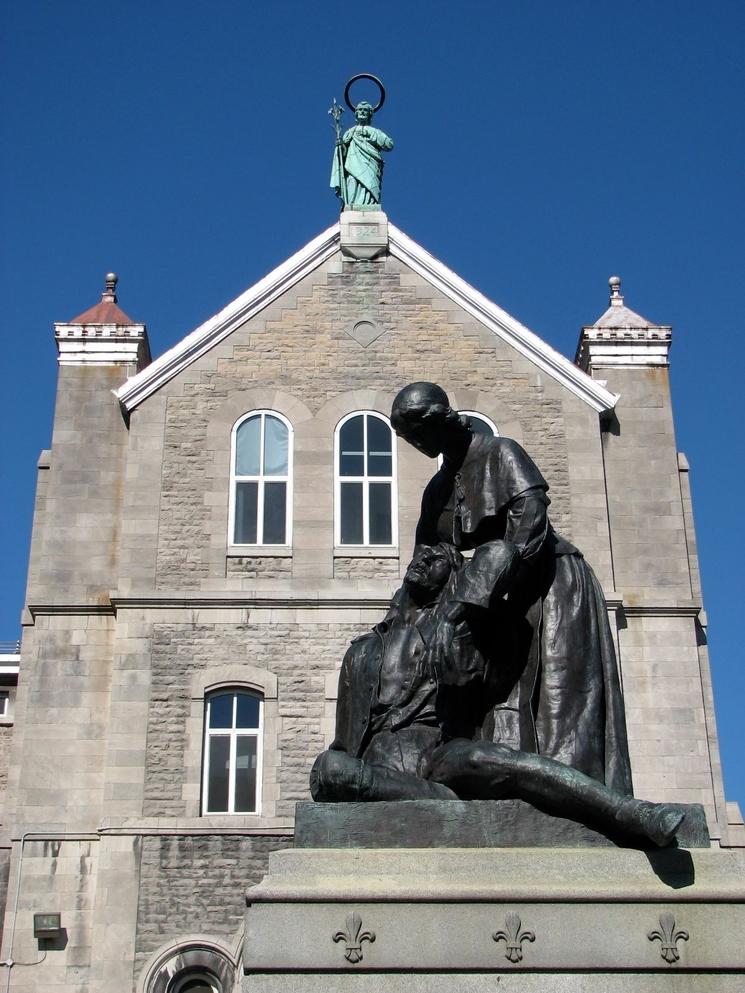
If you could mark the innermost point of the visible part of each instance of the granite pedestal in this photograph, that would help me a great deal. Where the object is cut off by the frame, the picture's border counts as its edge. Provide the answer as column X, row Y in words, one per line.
column 468, row 920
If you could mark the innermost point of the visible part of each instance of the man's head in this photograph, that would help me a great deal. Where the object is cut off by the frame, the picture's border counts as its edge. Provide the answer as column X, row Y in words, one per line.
column 363, row 112
column 421, row 415
column 430, row 569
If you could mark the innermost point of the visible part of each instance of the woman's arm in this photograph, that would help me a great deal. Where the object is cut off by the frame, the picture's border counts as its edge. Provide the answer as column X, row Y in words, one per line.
column 496, row 561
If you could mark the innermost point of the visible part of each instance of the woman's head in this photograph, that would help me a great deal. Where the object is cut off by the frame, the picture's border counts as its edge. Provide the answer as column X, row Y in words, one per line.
column 422, row 416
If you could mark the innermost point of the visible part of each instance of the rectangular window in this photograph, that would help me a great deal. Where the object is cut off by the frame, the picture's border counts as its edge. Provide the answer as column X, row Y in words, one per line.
column 275, row 513
column 219, row 778
column 245, row 774
column 380, row 513
column 246, row 505
column 351, row 514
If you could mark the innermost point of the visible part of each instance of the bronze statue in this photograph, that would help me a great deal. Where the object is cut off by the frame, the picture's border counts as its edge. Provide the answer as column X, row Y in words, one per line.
column 489, row 496
column 407, row 717
column 493, row 677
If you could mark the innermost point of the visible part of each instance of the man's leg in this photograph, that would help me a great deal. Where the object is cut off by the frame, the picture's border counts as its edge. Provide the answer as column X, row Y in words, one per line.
column 486, row 770
column 338, row 777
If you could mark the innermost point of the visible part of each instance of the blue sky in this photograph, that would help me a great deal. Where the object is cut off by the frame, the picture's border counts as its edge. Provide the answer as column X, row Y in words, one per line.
column 540, row 147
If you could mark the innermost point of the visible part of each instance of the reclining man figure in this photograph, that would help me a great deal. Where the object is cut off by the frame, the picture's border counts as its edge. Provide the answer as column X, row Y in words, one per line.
column 407, row 718
column 391, row 713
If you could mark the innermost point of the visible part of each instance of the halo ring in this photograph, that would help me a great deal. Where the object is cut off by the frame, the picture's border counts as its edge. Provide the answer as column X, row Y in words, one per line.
column 364, row 75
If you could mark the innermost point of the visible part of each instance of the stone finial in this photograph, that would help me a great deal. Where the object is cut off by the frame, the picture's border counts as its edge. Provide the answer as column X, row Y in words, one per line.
column 109, row 294
column 616, row 300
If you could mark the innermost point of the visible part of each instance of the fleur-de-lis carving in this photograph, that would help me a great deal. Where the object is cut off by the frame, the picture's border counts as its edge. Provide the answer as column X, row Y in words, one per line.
column 668, row 937
column 513, row 937
column 354, row 936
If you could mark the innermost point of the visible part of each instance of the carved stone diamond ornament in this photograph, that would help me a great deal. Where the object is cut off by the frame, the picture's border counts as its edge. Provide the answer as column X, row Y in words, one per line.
column 365, row 331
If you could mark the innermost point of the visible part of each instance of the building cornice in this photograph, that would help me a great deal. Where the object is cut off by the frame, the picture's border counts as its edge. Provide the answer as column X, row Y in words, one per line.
column 102, row 344
column 283, row 599
column 626, row 347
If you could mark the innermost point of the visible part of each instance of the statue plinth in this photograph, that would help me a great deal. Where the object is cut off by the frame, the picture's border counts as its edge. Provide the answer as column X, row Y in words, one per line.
column 364, row 233
column 457, row 919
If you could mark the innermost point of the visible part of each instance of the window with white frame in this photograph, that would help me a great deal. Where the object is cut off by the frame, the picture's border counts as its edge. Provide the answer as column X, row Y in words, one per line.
column 365, row 481
column 261, row 487
column 4, row 703
column 232, row 752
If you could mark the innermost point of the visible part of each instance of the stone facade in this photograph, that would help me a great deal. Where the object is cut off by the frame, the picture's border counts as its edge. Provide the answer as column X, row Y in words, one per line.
column 139, row 605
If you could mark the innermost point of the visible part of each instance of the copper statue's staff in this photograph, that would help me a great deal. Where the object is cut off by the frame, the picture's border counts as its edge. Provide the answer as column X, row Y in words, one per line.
column 336, row 111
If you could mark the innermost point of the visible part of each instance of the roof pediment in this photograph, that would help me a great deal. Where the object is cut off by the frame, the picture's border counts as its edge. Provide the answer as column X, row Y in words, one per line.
column 315, row 253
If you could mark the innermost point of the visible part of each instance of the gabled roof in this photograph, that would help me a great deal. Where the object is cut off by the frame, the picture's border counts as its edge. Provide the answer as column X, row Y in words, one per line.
column 553, row 363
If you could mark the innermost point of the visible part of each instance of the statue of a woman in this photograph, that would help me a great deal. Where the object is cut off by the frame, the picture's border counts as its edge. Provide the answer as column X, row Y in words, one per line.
column 565, row 699
column 357, row 171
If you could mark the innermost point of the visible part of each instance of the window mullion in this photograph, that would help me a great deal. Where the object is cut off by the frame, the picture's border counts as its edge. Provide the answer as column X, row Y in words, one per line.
column 365, row 467
column 206, row 776
column 232, row 759
column 260, row 514
column 366, row 511
column 261, row 444
column 231, row 772
column 260, row 494
column 365, row 486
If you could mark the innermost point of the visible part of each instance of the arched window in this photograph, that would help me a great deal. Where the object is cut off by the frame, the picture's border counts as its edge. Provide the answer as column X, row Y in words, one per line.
column 261, row 488
column 199, row 966
column 365, row 481
column 231, row 781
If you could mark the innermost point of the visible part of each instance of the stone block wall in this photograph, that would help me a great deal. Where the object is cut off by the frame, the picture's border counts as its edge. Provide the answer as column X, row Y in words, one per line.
column 299, row 655
column 56, row 776
column 56, row 876
column 6, row 734
column 193, row 885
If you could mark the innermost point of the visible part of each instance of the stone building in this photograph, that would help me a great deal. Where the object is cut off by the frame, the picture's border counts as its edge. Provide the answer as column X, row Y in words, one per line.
column 214, row 526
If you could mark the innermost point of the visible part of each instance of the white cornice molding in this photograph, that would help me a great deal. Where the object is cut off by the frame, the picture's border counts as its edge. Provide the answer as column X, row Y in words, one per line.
column 101, row 344
column 501, row 323
column 625, row 347
column 260, row 295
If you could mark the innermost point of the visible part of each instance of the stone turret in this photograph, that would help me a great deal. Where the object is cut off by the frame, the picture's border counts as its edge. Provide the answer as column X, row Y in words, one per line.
column 662, row 634
column 631, row 354
column 74, row 558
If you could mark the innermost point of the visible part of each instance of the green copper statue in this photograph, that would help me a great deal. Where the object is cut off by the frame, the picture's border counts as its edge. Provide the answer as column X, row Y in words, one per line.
column 357, row 170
